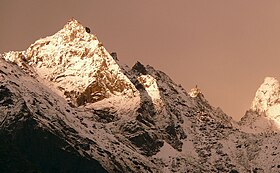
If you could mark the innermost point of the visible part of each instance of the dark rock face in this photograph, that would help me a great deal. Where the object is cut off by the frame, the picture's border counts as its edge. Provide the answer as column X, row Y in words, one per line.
column 105, row 116
column 147, row 141
column 87, row 29
column 114, row 55
column 173, row 138
column 5, row 96
column 12, row 160
column 140, row 68
column 27, row 146
column 42, row 151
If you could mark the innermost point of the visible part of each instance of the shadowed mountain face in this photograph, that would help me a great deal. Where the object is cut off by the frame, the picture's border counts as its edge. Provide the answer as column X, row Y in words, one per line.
column 67, row 105
column 31, row 149
column 27, row 146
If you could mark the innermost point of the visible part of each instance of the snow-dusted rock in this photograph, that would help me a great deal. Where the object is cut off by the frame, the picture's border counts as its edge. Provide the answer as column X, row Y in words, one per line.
column 265, row 111
column 77, row 64
column 121, row 119
column 267, row 95
column 194, row 92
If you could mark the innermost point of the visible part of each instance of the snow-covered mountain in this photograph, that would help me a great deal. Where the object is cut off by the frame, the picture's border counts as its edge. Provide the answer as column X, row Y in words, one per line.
column 264, row 114
column 67, row 105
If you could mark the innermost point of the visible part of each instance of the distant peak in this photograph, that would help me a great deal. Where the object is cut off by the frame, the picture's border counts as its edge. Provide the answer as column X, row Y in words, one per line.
column 267, row 95
column 195, row 92
column 270, row 81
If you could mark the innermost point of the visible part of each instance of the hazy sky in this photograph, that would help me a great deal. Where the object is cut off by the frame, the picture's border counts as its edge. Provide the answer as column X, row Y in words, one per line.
column 226, row 47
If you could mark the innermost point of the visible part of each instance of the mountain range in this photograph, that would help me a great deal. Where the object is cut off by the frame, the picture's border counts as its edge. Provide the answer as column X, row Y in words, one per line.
column 68, row 105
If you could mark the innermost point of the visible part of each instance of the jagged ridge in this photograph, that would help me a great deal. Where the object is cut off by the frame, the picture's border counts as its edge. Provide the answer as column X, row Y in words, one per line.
column 77, row 64
column 129, row 120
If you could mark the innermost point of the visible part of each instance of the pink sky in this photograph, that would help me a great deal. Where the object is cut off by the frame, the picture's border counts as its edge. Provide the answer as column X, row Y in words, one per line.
column 226, row 47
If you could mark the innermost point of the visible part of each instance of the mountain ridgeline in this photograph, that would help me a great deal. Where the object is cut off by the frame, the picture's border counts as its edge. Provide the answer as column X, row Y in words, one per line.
column 67, row 105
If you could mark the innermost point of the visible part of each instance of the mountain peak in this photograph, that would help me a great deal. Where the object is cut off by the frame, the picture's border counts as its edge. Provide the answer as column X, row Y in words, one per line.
column 74, row 26
column 130, row 120
column 73, row 21
column 267, row 95
column 195, row 92
column 77, row 64
column 265, row 110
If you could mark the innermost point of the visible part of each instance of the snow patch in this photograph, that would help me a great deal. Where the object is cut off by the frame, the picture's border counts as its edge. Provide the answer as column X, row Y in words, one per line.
column 150, row 85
